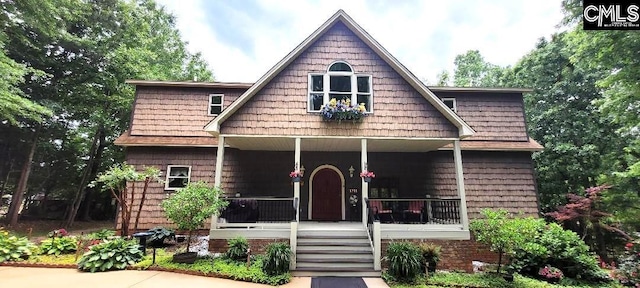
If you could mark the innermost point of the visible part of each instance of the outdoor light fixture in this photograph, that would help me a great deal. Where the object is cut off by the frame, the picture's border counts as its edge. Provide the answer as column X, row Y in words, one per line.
column 302, row 170
column 351, row 170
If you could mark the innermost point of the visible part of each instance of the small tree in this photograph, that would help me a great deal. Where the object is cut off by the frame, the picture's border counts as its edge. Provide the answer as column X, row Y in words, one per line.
column 191, row 206
column 121, row 180
column 501, row 233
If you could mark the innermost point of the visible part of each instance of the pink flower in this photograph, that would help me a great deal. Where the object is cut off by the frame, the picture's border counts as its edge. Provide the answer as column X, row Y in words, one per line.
column 366, row 173
column 628, row 246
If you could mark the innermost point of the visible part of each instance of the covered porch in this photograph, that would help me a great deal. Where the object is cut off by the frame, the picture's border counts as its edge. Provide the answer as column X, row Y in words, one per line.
column 417, row 182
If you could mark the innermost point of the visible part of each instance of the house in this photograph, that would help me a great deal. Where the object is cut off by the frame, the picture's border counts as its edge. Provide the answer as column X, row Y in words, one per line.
column 439, row 154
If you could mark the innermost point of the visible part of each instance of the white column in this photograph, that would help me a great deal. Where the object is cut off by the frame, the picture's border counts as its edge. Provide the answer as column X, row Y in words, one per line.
column 293, row 243
column 377, row 243
column 457, row 158
column 365, row 185
column 296, row 185
column 217, row 178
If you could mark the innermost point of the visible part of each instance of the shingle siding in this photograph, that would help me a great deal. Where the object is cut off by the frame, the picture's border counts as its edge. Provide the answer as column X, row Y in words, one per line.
column 280, row 108
column 494, row 117
column 167, row 111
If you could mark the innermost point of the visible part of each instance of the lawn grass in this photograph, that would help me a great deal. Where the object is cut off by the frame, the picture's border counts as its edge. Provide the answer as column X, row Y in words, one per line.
column 482, row 280
column 64, row 259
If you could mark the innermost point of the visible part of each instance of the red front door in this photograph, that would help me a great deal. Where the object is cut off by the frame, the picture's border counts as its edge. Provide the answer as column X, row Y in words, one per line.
column 327, row 190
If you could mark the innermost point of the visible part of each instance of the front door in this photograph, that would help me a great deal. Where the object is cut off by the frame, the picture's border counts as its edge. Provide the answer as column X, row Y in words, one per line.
column 326, row 196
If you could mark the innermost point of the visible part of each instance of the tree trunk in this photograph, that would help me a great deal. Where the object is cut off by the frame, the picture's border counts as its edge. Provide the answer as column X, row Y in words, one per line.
column 88, row 199
column 144, row 195
column 16, row 200
column 499, row 260
column 75, row 205
column 4, row 183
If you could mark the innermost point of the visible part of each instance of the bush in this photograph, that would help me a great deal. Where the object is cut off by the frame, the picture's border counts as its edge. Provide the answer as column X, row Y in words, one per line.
column 238, row 248
column 628, row 272
column 159, row 234
column 113, row 254
column 430, row 256
column 103, row 234
column 404, row 261
column 59, row 245
column 277, row 259
column 14, row 248
column 554, row 246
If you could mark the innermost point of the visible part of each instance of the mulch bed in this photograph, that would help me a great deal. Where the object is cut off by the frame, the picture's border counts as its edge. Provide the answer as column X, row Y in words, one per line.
column 38, row 265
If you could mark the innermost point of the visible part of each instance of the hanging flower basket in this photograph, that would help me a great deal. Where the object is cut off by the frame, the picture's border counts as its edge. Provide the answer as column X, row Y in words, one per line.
column 295, row 175
column 367, row 175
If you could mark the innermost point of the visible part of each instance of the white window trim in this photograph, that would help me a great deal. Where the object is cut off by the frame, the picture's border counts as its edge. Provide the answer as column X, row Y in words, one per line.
column 211, row 103
column 453, row 100
column 326, row 85
column 166, row 182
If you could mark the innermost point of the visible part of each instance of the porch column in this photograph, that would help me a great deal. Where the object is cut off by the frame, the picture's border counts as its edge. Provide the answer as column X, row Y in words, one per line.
column 365, row 185
column 457, row 158
column 217, row 178
column 296, row 185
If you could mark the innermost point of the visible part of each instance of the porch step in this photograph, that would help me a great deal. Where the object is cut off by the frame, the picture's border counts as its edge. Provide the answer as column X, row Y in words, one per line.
column 338, row 250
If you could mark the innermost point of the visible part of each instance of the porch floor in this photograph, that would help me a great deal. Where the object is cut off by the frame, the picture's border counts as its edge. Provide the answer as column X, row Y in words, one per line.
column 341, row 226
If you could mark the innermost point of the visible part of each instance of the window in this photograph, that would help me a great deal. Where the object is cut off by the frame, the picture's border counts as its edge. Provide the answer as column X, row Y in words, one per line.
column 177, row 177
column 215, row 104
column 342, row 83
column 451, row 103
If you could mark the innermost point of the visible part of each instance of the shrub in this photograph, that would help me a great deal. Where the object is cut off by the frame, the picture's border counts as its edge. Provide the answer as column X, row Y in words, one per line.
column 113, row 254
column 238, row 248
column 277, row 259
column 502, row 233
column 559, row 248
column 59, row 245
column 159, row 234
column 404, row 261
column 430, row 256
column 103, row 234
column 628, row 272
column 13, row 248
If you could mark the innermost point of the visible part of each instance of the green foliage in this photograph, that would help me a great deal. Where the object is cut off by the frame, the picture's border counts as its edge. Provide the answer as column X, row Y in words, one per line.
column 238, row 248
column 628, row 272
column 114, row 254
column 503, row 234
column 472, row 71
column 557, row 247
column 221, row 268
column 13, row 248
column 468, row 280
column 488, row 280
column 59, row 245
column 102, row 234
column 64, row 259
column 192, row 205
column 277, row 258
column 404, row 261
column 159, row 234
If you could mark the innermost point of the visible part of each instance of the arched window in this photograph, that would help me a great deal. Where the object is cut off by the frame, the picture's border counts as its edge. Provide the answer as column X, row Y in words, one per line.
column 339, row 82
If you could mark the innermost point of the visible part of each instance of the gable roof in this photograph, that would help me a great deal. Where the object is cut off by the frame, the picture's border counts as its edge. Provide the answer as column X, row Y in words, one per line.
column 464, row 129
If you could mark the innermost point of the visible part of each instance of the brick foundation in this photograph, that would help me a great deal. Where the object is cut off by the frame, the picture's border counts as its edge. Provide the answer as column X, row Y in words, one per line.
column 455, row 255
column 257, row 246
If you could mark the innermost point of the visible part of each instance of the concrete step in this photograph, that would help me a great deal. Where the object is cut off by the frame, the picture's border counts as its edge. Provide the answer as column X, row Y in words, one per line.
column 337, row 242
column 332, row 249
column 343, row 255
column 337, row 259
column 335, row 273
column 327, row 266
column 331, row 233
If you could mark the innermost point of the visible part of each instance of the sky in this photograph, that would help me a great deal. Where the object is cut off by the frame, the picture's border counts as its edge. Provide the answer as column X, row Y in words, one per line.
column 242, row 39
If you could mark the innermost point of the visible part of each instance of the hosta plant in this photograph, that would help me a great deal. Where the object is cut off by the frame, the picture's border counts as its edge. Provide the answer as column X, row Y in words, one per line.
column 277, row 259
column 102, row 234
column 113, row 254
column 60, row 245
column 13, row 248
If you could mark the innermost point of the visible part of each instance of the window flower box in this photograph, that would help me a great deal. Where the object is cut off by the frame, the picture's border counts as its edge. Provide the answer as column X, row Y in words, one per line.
column 342, row 111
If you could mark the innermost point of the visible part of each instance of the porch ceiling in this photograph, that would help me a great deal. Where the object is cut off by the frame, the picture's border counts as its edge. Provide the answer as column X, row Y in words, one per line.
column 335, row 144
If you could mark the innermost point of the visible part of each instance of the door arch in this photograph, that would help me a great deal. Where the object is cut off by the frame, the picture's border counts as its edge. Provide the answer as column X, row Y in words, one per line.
column 312, row 177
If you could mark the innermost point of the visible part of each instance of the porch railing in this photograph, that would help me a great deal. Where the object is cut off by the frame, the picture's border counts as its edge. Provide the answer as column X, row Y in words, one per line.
column 416, row 211
column 259, row 210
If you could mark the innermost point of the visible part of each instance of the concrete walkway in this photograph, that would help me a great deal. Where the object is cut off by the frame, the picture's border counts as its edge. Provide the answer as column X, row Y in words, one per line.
column 53, row 278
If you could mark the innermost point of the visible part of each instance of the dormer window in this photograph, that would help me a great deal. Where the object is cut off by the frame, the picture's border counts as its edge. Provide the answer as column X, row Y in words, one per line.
column 451, row 103
column 215, row 104
column 342, row 83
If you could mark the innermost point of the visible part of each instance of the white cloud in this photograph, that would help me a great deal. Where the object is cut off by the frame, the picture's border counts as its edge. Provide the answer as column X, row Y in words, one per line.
column 424, row 35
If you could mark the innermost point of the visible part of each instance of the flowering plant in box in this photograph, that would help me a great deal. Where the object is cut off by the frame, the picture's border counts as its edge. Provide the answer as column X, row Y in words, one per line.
column 367, row 174
column 295, row 173
column 552, row 274
column 342, row 110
